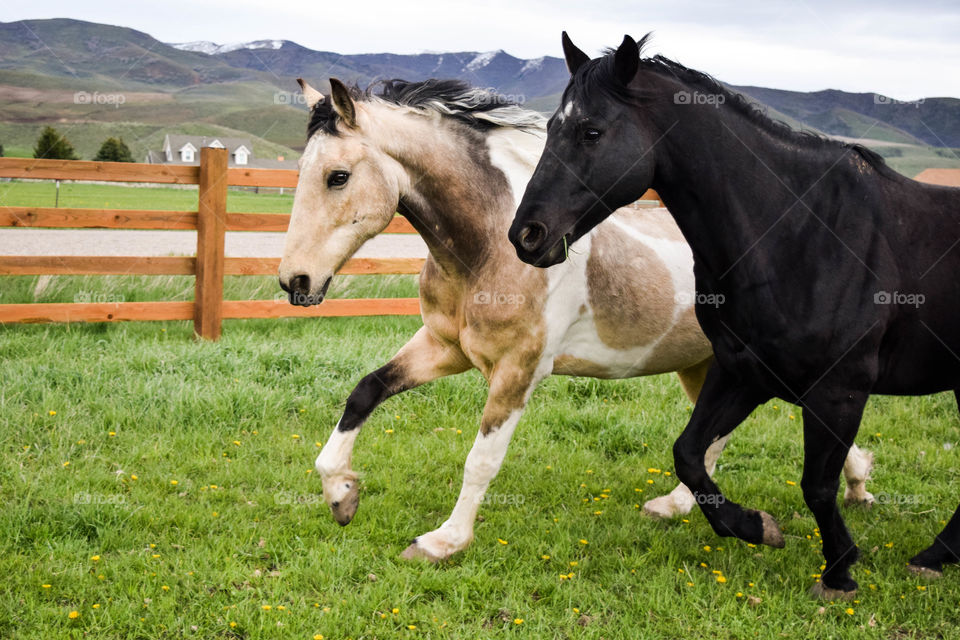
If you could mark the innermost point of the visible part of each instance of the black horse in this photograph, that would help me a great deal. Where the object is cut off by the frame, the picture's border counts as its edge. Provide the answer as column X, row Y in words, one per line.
column 822, row 275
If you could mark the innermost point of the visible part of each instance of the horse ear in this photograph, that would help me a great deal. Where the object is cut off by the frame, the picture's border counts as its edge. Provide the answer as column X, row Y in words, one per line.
column 574, row 56
column 343, row 103
column 312, row 96
column 626, row 60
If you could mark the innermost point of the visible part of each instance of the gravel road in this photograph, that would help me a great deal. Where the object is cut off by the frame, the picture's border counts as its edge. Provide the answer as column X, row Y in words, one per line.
column 95, row 242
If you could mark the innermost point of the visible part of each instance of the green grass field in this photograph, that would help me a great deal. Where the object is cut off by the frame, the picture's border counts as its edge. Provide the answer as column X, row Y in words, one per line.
column 160, row 488
column 157, row 487
column 84, row 195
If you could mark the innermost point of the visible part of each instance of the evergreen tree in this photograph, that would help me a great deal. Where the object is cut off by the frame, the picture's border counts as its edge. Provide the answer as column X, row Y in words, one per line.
column 52, row 145
column 114, row 150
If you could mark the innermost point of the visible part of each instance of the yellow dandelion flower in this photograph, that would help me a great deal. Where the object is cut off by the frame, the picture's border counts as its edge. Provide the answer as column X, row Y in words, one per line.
column 920, row 587
column 749, row 584
column 411, row 627
column 95, row 558
column 174, row 482
column 549, row 466
column 66, row 464
column 156, row 555
column 582, row 541
column 589, row 471
column 707, row 548
column 388, row 430
column 395, row 611
column 685, row 521
column 318, row 636
column 703, row 564
column 502, row 541
column 739, row 594
column 792, row 417
column 574, row 563
column 318, row 444
column 46, row 586
column 165, row 588
column 518, row 621
column 751, row 545
column 233, row 625
column 73, row 615
column 112, row 433
column 791, row 483
column 236, row 442
column 53, row 413
column 889, row 545
column 459, row 431
column 295, row 436
column 281, row 608
column 96, row 606
column 689, row 584
column 215, row 514
column 649, row 481
column 849, row 611
column 133, row 477
column 266, row 607
column 545, row 557
column 721, row 579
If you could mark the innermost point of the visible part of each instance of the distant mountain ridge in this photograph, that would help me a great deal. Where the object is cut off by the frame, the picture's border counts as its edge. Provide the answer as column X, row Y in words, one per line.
column 248, row 77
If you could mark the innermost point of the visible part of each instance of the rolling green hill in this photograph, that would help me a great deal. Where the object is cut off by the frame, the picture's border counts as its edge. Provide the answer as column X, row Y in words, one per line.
column 93, row 80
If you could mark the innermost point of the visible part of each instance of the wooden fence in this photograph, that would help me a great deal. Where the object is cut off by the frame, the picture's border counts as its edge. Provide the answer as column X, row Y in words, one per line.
column 210, row 220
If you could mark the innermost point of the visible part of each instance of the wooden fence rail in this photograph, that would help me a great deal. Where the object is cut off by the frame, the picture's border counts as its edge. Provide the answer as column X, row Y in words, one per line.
column 209, row 266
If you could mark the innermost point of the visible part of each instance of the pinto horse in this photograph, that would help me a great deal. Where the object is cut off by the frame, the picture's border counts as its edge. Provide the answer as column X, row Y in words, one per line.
column 454, row 160
column 839, row 276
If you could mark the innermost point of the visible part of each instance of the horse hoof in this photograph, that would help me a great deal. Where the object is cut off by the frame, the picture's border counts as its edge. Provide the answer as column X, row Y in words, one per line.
column 823, row 592
column 772, row 536
column 864, row 499
column 924, row 572
column 661, row 508
column 345, row 508
column 416, row 552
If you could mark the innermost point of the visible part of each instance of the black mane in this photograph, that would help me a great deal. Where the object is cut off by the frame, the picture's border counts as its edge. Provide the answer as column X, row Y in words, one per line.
column 598, row 75
column 479, row 109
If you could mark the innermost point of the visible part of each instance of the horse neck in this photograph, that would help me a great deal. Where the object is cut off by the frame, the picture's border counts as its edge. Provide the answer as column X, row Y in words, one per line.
column 458, row 200
column 727, row 180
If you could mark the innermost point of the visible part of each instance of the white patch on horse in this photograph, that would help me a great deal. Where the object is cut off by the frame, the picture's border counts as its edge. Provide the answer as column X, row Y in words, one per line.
column 566, row 112
column 515, row 152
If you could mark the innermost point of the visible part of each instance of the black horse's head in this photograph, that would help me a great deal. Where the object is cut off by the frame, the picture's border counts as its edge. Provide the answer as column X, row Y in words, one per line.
column 592, row 163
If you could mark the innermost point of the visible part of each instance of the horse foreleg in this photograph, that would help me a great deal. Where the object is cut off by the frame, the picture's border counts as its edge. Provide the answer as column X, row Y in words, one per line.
column 422, row 359
column 723, row 404
column 831, row 418
column 856, row 469
column 510, row 388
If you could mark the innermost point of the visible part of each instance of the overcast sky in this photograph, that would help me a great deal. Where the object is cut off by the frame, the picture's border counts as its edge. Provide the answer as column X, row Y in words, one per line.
column 899, row 48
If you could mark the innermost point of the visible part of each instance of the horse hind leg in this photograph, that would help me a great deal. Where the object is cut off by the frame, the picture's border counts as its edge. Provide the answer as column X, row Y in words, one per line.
column 946, row 546
column 944, row 550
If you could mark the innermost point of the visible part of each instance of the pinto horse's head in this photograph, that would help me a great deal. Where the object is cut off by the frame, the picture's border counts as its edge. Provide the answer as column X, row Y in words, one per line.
column 597, row 156
column 347, row 193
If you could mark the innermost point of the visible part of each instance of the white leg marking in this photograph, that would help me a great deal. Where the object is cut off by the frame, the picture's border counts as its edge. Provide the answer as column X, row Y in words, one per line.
column 481, row 467
column 340, row 488
column 680, row 501
column 856, row 470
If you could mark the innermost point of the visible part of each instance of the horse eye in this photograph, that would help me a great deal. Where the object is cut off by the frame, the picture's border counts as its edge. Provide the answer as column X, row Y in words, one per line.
column 337, row 179
column 591, row 135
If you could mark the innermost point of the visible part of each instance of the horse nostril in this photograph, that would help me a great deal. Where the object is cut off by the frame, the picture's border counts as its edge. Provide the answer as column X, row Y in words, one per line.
column 533, row 235
column 300, row 284
column 335, row 504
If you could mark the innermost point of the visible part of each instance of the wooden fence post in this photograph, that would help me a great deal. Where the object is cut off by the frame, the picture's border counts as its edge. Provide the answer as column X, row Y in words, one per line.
column 211, row 224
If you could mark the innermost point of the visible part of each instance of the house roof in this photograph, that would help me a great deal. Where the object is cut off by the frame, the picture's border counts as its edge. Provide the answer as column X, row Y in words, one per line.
column 945, row 177
column 176, row 141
